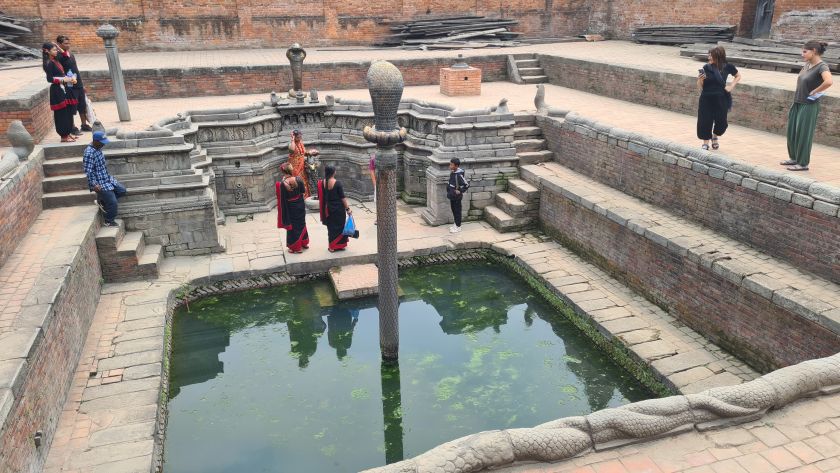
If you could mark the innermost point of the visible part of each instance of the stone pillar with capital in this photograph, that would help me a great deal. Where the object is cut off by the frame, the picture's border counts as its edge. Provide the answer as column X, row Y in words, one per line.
column 385, row 84
column 109, row 34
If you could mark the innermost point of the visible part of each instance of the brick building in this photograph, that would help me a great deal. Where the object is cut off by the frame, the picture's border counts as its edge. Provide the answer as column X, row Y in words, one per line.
column 202, row 24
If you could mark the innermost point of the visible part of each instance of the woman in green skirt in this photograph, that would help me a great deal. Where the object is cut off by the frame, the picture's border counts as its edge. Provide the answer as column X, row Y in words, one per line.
column 812, row 82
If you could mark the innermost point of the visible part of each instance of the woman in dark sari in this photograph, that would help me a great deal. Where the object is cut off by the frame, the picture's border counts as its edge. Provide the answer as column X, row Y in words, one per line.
column 61, row 102
column 333, row 206
column 291, row 210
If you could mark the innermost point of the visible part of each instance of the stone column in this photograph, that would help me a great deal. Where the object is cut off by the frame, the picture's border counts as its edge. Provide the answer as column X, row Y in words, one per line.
column 385, row 83
column 109, row 34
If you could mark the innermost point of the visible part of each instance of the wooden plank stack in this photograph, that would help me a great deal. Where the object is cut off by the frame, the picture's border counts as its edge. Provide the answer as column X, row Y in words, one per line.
column 683, row 34
column 452, row 32
column 10, row 28
column 762, row 54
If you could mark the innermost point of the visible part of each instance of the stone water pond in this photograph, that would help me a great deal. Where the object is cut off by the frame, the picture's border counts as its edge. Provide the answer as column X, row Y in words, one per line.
column 288, row 379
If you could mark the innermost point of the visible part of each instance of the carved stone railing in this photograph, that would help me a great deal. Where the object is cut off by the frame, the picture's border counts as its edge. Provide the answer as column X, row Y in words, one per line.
column 609, row 428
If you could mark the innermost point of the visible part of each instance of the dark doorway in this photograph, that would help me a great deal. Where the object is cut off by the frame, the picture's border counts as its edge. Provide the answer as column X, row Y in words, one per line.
column 763, row 18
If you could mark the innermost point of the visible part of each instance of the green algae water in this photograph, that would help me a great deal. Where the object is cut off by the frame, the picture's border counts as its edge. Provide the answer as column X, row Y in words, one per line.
column 288, row 379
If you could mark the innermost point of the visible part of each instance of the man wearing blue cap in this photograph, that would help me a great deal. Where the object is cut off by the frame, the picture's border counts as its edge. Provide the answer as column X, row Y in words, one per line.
column 107, row 188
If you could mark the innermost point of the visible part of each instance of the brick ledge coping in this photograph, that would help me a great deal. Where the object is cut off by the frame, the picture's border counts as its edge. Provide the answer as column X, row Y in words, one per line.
column 788, row 187
column 640, row 421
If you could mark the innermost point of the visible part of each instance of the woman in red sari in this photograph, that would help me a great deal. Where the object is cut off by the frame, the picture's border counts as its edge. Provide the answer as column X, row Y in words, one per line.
column 333, row 206
column 291, row 210
column 297, row 159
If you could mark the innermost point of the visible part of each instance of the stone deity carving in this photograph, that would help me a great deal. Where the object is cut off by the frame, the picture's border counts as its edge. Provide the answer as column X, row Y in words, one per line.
column 22, row 146
column 296, row 55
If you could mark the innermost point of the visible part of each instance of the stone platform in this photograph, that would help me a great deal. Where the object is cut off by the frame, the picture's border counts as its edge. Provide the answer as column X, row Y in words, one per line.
column 354, row 281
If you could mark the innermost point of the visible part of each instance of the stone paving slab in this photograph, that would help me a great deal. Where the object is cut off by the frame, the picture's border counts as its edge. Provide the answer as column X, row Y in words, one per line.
column 114, row 399
column 355, row 280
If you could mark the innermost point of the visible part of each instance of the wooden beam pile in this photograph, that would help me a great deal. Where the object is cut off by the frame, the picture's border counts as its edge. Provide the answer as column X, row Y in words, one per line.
column 761, row 54
column 452, row 32
column 683, row 34
column 10, row 29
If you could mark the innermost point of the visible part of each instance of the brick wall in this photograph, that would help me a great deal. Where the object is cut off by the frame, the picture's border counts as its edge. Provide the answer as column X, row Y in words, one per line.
column 803, row 20
column 191, row 24
column 34, row 111
column 20, row 203
column 765, row 222
column 51, row 367
column 760, row 333
column 629, row 14
column 164, row 83
column 761, row 108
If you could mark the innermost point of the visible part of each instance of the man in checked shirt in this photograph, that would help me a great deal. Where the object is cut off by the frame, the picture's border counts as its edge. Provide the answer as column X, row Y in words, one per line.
column 107, row 189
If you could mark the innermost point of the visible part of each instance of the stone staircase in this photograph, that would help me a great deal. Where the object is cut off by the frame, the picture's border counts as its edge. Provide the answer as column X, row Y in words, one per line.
column 528, row 69
column 65, row 185
column 531, row 146
column 124, row 256
column 517, row 208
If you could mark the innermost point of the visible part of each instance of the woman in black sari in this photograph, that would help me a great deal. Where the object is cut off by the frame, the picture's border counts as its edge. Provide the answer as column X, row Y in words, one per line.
column 291, row 210
column 60, row 102
column 333, row 206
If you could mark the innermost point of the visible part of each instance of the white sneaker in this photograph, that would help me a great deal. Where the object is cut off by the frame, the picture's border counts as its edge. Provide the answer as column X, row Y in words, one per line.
column 454, row 229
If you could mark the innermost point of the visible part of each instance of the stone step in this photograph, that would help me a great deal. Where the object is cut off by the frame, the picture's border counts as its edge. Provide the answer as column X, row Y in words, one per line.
column 525, row 132
column 531, row 71
column 70, row 182
column 149, row 264
column 108, row 238
column 534, row 157
column 62, row 167
column 540, row 79
column 523, row 190
column 520, row 63
column 55, row 200
column 529, row 145
column 501, row 221
column 524, row 119
column 662, row 254
column 132, row 244
column 511, row 204
column 524, row 56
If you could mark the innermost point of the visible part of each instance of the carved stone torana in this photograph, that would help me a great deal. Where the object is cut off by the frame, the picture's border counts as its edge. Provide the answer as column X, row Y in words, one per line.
column 296, row 55
column 564, row 438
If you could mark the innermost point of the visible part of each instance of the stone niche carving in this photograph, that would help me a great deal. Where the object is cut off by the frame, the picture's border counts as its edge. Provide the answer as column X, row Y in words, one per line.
column 240, row 195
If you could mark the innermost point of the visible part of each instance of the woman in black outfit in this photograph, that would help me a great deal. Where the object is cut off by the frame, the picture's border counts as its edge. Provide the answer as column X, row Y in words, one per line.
column 60, row 101
column 291, row 209
column 715, row 97
column 333, row 206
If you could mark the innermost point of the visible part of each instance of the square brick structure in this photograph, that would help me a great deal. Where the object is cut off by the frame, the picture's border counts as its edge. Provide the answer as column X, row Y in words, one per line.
column 459, row 81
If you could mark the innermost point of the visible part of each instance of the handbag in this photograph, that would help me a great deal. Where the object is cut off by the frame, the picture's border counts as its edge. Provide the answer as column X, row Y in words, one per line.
column 350, row 228
column 91, row 115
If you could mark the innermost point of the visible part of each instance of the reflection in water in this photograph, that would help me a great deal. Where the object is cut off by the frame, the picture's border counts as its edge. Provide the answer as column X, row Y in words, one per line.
column 392, row 410
column 257, row 385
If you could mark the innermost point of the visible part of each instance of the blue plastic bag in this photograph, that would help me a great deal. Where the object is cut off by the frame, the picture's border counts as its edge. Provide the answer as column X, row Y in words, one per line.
column 349, row 226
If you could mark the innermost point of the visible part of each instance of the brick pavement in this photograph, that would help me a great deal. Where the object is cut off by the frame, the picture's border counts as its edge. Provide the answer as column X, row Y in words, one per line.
column 803, row 437
column 664, row 58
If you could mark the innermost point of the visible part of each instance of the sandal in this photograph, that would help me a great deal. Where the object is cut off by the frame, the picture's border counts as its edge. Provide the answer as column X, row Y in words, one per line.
column 798, row 168
column 715, row 143
column 789, row 162
column 705, row 146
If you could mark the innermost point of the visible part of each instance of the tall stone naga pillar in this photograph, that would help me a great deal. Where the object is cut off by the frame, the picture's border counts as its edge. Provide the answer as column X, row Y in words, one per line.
column 385, row 84
column 109, row 34
column 296, row 55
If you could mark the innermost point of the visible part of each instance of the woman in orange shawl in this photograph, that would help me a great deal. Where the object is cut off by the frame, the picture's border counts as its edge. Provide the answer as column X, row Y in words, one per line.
column 297, row 159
